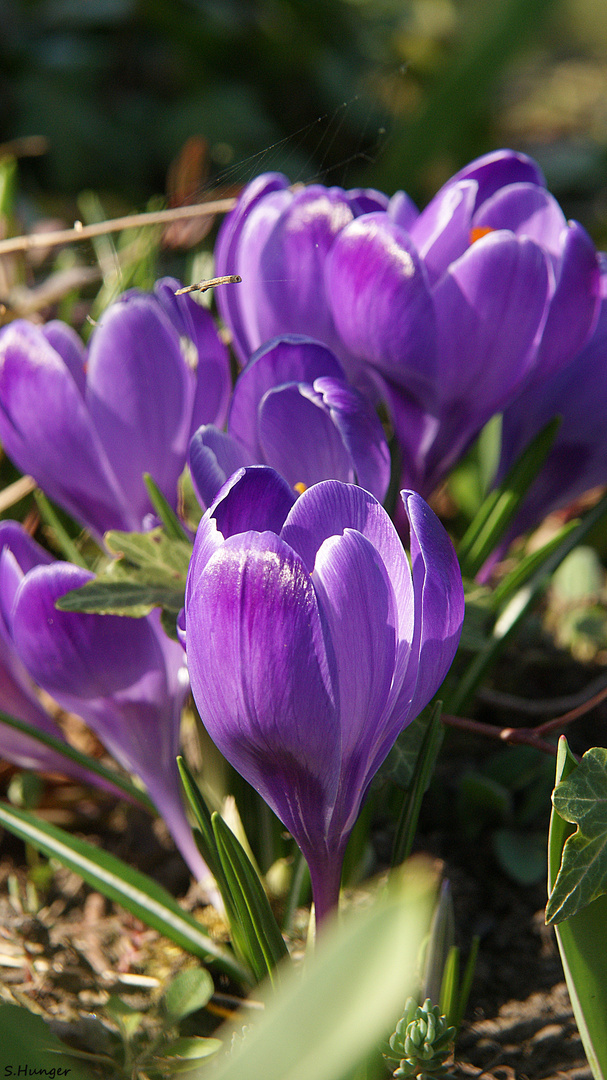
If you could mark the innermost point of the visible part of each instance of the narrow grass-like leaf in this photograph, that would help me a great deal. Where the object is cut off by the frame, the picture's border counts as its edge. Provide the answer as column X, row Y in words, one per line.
column 499, row 507
column 172, row 525
column 581, row 940
column 328, row 1018
column 409, row 815
column 207, row 845
column 124, row 786
column 120, row 882
column 61, row 536
column 517, row 607
column 525, row 569
column 264, row 939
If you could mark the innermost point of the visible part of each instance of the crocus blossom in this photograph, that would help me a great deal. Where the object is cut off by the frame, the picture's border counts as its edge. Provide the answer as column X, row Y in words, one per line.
column 18, row 694
column 578, row 459
column 292, row 408
column 87, row 424
column 447, row 314
column 123, row 676
column 311, row 645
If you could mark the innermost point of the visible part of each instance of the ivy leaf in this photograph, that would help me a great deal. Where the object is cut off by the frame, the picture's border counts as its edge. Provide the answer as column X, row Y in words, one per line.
column 581, row 799
column 148, row 570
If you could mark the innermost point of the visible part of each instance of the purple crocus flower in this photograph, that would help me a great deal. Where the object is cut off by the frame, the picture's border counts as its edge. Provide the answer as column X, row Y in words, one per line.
column 578, row 459
column 18, row 693
column 311, row 645
column 292, row 408
column 123, row 676
column 87, row 426
column 449, row 314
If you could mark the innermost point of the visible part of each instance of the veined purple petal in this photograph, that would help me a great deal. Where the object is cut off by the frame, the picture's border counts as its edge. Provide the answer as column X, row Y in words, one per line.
column 439, row 601
column 574, row 306
column 441, row 233
column 328, row 509
column 359, row 606
column 402, row 210
column 490, row 309
column 378, row 292
column 288, row 359
column 498, row 169
column 366, row 200
column 65, row 341
column 205, row 353
column 362, row 434
column 213, row 457
column 140, row 396
column 527, row 210
column 238, row 308
column 86, row 656
column 261, row 677
column 254, row 498
column 292, row 264
column 299, row 439
column 46, row 430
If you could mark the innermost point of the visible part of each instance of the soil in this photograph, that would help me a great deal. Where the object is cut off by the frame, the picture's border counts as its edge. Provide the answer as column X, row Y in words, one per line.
column 65, row 949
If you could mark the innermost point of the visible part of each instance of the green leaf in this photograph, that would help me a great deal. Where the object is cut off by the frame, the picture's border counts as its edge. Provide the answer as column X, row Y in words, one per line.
column 328, row 1017
column 62, row 538
column 173, row 527
column 182, row 1055
column 149, row 570
column 581, row 799
column 581, row 940
column 115, row 879
column 402, row 759
column 189, row 991
column 264, row 942
column 120, row 782
column 409, row 815
column 204, row 836
column 522, row 854
column 517, row 607
column 127, row 1019
column 26, row 1042
column 500, row 506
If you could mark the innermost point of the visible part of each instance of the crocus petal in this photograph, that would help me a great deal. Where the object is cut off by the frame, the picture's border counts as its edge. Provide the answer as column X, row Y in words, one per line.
column 213, row 457
column 498, row 169
column 490, row 308
column 359, row 606
column 254, row 498
column 526, row 210
column 439, row 601
column 574, row 306
column 441, row 233
column 237, row 309
column 328, row 509
column 292, row 263
column 299, row 439
column 402, row 210
column 378, row 292
column 65, row 341
column 290, row 358
column 205, row 352
column 362, row 434
column 140, row 394
column 46, row 430
column 86, row 656
column 268, row 695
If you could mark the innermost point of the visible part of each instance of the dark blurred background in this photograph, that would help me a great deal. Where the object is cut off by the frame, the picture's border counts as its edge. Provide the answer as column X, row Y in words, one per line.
column 395, row 93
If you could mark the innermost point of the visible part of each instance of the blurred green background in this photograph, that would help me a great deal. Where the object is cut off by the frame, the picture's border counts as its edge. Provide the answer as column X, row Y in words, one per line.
column 396, row 93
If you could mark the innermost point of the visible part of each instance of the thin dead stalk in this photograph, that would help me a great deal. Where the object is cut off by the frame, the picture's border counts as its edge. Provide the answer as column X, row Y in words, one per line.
column 101, row 228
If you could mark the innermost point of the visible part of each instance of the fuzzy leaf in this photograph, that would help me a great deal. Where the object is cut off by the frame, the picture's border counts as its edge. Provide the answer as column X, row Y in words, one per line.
column 581, row 799
column 149, row 570
column 189, row 991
